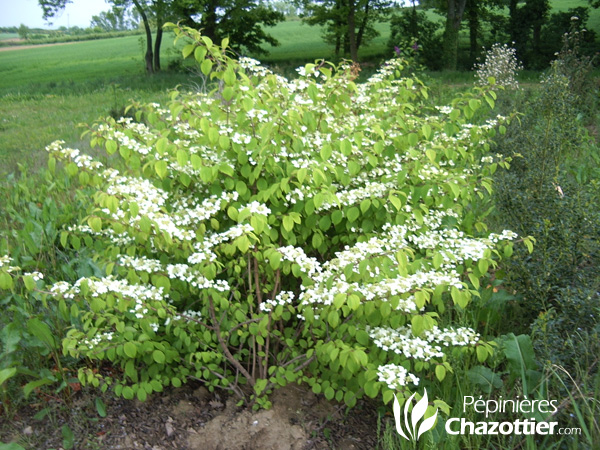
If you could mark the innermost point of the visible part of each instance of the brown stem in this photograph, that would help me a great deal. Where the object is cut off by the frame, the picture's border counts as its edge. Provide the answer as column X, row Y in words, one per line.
column 224, row 347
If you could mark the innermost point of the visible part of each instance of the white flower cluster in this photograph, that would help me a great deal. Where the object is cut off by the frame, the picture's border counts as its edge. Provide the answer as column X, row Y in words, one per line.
column 37, row 276
column 140, row 294
column 501, row 63
column 253, row 67
column 258, row 208
column 5, row 262
column 82, row 161
column 329, row 278
column 310, row 266
column 98, row 339
column 395, row 376
column 506, row 235
column 354, row 196
column 283, row 298
column 403, row 342
column 181, row 272
column 452, row 336
column 142, row 264
column 186, row 316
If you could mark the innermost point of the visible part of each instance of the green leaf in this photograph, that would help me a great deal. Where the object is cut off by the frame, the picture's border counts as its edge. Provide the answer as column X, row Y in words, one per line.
column 33, row 385
column 329, row 393
column 288, row 223
column 200, row 53
column 5, row 374
column 187, row 50
column 29, row 282
column 130, row 349
column 352, row 214
column 10, row 446
column 440, row 372
column 68, row 437
column 158, row 356
column 95, row 224
column 484, row 378
column 142, row 395
column 519, row 353
column 111, row 147
column 100, row 407
column 353, row 302
column 482, row 353
column 41, row 331
column 161, row 168
column 6, row 281
column 206, row 67
column 339, row 300
column 326, row 152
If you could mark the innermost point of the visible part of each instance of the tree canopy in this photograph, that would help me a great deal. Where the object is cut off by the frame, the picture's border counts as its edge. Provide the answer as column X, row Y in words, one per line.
column 348, row 24
column 240, row 20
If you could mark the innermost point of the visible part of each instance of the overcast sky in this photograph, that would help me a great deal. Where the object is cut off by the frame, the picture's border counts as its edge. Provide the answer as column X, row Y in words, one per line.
column 28, row 12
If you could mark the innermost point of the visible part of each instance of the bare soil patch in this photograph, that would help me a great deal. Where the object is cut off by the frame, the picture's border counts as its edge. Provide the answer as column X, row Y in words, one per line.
column 191, row 418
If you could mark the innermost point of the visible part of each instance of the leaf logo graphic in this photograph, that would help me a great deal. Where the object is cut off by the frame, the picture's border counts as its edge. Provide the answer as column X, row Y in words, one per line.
column 418, row 412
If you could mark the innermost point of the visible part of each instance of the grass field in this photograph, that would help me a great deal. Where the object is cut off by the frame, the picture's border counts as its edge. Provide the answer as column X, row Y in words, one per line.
column 5, row 36
column 46, row 91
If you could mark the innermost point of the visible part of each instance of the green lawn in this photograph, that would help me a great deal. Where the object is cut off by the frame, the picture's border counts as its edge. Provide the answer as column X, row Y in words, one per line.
column 36, row 69
column 301, row 43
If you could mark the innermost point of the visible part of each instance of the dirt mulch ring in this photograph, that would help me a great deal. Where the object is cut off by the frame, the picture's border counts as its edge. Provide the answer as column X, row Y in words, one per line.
column 191, row 418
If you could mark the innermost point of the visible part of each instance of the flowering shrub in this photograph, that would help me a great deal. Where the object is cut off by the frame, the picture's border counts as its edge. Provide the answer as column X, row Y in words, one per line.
column 500, row 63
column 275, row 231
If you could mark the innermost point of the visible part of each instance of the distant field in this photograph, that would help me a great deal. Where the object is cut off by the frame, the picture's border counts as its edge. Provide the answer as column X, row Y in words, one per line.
column 6, row 36
column 301, row 42
column 73, row 63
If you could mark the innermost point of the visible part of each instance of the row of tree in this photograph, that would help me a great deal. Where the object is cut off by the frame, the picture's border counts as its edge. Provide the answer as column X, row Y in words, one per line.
column 351, row 23
column 347, row 24
column 241, row 20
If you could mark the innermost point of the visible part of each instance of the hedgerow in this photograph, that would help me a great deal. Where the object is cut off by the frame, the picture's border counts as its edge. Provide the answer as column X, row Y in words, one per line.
column 271, row 231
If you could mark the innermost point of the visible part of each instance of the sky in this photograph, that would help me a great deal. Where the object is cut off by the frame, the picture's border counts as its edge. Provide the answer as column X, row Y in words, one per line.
column 28, row 12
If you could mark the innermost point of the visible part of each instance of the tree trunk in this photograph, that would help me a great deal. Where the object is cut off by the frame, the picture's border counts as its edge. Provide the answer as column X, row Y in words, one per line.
column 209, row 19
column 149, row 55
column 160, row 20
column 473, row 18
column 352, row 31
column 363, row 25
column 456, row 9
column 512, row 19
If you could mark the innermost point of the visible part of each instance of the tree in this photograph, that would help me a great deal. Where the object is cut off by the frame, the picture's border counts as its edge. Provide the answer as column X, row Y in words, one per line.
column 412, row 31
column 525, row 28
column 144, row 7
column 348, row 23
column 117, row 19
column 454, row 11
column 477, row 12
column 241, row 21
column 23, row 31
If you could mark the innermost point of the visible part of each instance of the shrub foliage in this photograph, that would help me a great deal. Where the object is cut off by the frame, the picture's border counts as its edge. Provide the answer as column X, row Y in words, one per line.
column 272, row 231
